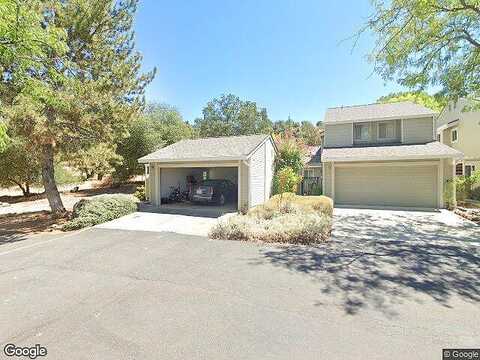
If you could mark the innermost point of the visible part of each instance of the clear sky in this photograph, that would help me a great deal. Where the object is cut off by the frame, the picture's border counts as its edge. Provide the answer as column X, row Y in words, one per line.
column 286, row 55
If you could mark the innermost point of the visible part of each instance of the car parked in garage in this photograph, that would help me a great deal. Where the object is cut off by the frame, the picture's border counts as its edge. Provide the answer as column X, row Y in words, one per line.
column 219, row 191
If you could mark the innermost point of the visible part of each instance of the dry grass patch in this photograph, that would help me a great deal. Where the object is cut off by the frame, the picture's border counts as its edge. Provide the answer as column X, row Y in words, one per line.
column 283, row 219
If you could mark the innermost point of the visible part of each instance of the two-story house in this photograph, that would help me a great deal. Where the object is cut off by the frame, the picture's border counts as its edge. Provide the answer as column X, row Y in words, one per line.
column 460, row 130
column 385, row 155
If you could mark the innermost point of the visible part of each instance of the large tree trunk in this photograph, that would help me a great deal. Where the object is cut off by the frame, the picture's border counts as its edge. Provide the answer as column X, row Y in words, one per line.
column 48, row 177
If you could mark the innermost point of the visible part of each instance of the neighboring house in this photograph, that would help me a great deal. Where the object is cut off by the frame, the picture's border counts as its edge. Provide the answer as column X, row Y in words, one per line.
column 312, row 171
column 245, row 160
column 385, row 155
column 461, row 130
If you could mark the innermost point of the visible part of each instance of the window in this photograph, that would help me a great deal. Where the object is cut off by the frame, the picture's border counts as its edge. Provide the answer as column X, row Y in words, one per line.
column 386, row 130
column 459, row 169
column 454, row 135
column 361, row 132
column 205, row 175
column 469, row 170
column 439, row 138
column 147, row 170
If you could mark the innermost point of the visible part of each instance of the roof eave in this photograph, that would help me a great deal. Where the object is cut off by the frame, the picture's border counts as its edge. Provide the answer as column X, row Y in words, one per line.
column 380, row 119
column 145, row 160
column 383, row 158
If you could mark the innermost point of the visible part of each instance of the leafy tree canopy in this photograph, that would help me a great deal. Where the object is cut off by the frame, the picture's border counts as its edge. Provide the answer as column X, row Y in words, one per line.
column 309, row 133
column 428, row 43
column 161, row 125
column 436, row 103
column 19, row 165
column 82, row 93
column 230, row 116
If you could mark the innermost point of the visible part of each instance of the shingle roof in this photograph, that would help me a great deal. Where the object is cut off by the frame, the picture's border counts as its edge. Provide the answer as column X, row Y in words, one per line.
column 403, row 109
column 432, row 150
column 220, row 148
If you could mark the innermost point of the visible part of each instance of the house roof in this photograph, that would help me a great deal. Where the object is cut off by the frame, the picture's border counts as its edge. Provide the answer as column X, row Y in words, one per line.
column 379, row 111
column 219, row 148
column 313, row 155
column 432, row 150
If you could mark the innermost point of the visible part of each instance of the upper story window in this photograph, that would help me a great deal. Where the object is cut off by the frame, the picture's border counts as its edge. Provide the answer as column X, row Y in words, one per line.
column 454, row 135
column 361, row 132
column 459, row 169
column 386, row 130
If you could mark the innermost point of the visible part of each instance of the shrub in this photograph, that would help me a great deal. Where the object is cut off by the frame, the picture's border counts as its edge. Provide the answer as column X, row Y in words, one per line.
column 293, row 219
column 290, row 227
column 288, row 180
column 475, row 193
column 100, row 209
column 140, row 193
column 448, row 195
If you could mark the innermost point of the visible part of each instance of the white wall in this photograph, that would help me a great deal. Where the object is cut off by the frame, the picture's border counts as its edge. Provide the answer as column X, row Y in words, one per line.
column 338, row 135
column 269, row 164
column 177, row 177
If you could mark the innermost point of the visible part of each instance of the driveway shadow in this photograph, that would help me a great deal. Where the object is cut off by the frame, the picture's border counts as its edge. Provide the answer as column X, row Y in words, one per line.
column 188, row 209
column 379, row 263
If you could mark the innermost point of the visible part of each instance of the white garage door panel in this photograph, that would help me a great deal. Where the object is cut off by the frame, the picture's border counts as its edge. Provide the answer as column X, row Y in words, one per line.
column 402, row 186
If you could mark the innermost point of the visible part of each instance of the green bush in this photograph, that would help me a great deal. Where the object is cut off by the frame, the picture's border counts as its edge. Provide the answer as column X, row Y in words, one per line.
column 140, row 193
column 475, row 193
column 65, row 175
column 100, row 209
column 287, row 180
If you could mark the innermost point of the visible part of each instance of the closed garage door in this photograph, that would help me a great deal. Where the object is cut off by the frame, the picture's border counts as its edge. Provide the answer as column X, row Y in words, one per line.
column 401, row 186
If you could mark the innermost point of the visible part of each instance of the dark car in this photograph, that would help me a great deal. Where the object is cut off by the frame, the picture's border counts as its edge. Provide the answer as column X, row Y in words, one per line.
column 215, row 191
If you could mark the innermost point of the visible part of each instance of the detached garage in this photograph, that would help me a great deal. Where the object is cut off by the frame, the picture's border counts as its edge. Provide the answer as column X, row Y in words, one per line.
column 400, row 176
column 244, row 163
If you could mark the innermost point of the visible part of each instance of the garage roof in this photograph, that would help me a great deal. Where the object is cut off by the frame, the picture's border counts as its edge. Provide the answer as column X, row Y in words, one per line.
column 432, row 150
column 208, row 149
column 358, row 113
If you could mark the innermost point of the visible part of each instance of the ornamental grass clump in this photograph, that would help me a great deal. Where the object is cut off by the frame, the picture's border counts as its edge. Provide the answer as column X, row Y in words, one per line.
column 286, row 221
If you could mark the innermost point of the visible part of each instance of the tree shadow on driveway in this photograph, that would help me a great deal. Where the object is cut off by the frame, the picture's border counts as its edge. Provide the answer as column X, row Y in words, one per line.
column 379, row 263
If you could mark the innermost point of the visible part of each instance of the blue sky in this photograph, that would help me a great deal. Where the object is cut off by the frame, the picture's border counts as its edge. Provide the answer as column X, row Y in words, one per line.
column 286, row 55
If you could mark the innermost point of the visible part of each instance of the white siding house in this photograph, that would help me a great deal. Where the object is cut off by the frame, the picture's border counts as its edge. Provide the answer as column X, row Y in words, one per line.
column 247, row 161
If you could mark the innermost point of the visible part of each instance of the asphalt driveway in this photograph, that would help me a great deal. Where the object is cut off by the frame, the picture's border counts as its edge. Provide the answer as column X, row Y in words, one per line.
column 388, row 286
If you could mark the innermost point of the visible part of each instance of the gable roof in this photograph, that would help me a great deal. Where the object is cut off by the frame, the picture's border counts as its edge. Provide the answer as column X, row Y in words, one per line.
column 219, row 148
column 378, row 111
column 432, row 150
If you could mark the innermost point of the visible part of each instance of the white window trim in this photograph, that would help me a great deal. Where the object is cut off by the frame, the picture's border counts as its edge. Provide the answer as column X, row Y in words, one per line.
column 362, row 140
column 386, row 138
column 451, row 135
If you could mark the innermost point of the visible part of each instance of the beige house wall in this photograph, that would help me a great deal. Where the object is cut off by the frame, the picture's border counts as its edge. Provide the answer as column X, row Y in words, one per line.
column 338, row 135
column 418, row 131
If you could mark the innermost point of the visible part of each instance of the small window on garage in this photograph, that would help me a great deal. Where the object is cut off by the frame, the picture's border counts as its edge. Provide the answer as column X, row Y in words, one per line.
column 459, row 169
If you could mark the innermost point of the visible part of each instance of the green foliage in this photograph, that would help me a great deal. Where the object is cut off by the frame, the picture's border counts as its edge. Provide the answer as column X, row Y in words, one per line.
column 140, row 193
column 100, row 209
column 4, row 139
column 287, row 180
column 428, row 43
column 98, row 159
column 86, row 88
column 161, row 125
column 230, row 116
column 449, row 194
column 291, row 153
column 65, row 175
column 305, row 131
column 316, row 189
column 436, row 103
column 19, row 165
column 466, row 184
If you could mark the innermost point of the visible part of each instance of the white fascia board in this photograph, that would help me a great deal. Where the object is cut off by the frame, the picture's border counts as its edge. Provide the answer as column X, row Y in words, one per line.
column 410, row 157
column 225, row 158
column 268, row 138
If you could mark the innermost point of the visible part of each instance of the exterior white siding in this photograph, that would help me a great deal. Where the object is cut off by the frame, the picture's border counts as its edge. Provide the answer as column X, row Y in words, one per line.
column 257, row 176
column 269, row 164
column 338, row 135
column 243, row 204
column 418, row 131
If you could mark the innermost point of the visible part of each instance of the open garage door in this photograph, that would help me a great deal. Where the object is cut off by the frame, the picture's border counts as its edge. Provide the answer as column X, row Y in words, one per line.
column 412, row 186
column 223, row 181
